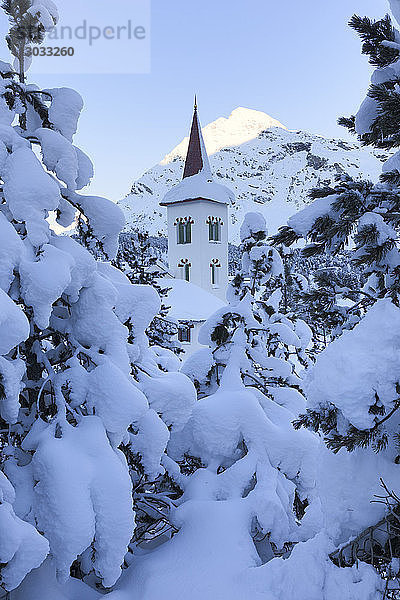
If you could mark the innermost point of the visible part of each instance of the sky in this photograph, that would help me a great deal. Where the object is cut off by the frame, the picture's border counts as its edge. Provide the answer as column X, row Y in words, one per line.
column 296, row 60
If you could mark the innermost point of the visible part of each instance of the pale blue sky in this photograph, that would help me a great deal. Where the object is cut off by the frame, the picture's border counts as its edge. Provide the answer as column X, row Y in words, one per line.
column 296, row 60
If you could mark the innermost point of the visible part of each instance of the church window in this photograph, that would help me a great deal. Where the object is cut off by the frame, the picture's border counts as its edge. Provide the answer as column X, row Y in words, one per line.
column 214, row 228
column 184, row 230
column 215, row 265
column 185, row 266
column 184, row 333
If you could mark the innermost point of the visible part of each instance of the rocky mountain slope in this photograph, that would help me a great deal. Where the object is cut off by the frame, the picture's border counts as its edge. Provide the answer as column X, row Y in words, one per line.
column 269, row 168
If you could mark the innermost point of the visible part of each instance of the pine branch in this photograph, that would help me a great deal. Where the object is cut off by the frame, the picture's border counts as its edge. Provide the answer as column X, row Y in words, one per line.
column 373, row 33
column 349, row 123
column 286, row 236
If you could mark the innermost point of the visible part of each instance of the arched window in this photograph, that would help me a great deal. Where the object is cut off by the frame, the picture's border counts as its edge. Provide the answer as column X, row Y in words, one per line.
column 187, row 272
column 184, row 230
column 214, row 228
column 184, row 265
column 215, row 266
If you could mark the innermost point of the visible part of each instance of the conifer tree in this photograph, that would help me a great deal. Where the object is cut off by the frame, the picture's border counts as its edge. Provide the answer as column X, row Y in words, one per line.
column 275, row 345
column 363, row 218
column 323, row 290
column 29, row 22
column 140, row 262
column 236, row 445
column 85, row 411
column 293, row 283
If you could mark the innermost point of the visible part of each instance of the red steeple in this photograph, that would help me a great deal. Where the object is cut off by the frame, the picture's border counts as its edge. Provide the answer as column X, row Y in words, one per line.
column 196, row 158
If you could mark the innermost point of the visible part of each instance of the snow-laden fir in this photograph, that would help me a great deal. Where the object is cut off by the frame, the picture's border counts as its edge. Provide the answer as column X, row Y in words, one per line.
column 74, row 421
column 255, row 472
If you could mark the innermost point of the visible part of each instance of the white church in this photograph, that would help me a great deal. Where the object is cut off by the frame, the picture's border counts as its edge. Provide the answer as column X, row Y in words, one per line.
column 197, row 213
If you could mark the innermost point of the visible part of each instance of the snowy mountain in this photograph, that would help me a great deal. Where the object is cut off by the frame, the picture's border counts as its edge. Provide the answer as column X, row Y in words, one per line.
column 269, row 168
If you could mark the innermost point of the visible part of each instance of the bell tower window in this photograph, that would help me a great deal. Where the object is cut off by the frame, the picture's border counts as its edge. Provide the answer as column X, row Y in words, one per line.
column 214, row 228
column 184, row 230
column 184, row 265
column 215, row 265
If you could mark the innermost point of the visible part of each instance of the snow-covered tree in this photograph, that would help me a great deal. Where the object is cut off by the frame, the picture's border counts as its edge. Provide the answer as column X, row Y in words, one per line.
column 332, row 303
column 244, row 486
column 80, row 390
column 275, row 343
column 353, row 390
column 248, row 478
column 293, row 284
column 30, row 20
column 357, row 216
column 377, row 122
column 363, row 217
column 249, row 342
column 323, row 290
column 364, row 212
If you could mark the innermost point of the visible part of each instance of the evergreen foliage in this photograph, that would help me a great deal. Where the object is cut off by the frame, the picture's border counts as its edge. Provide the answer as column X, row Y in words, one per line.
column 325, row 300
column 141, row 262
column 352, row 212
column 372, row 34
column 27, row 27
column 362, row 218
column 86, row 409
column 235, row 447
column 275, row 343
column 378, row 121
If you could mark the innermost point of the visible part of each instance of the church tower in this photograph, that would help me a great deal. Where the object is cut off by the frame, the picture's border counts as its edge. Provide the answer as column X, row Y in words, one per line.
column 197, row 211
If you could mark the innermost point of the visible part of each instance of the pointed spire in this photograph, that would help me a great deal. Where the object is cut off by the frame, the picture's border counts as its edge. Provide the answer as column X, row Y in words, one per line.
column 196, row 158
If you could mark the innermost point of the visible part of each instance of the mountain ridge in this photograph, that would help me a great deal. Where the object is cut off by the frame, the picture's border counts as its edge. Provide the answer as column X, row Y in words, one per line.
column 269, row 168
column 242, row 125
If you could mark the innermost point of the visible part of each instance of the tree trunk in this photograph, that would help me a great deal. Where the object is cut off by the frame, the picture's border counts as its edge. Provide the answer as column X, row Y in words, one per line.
column 21, row 74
